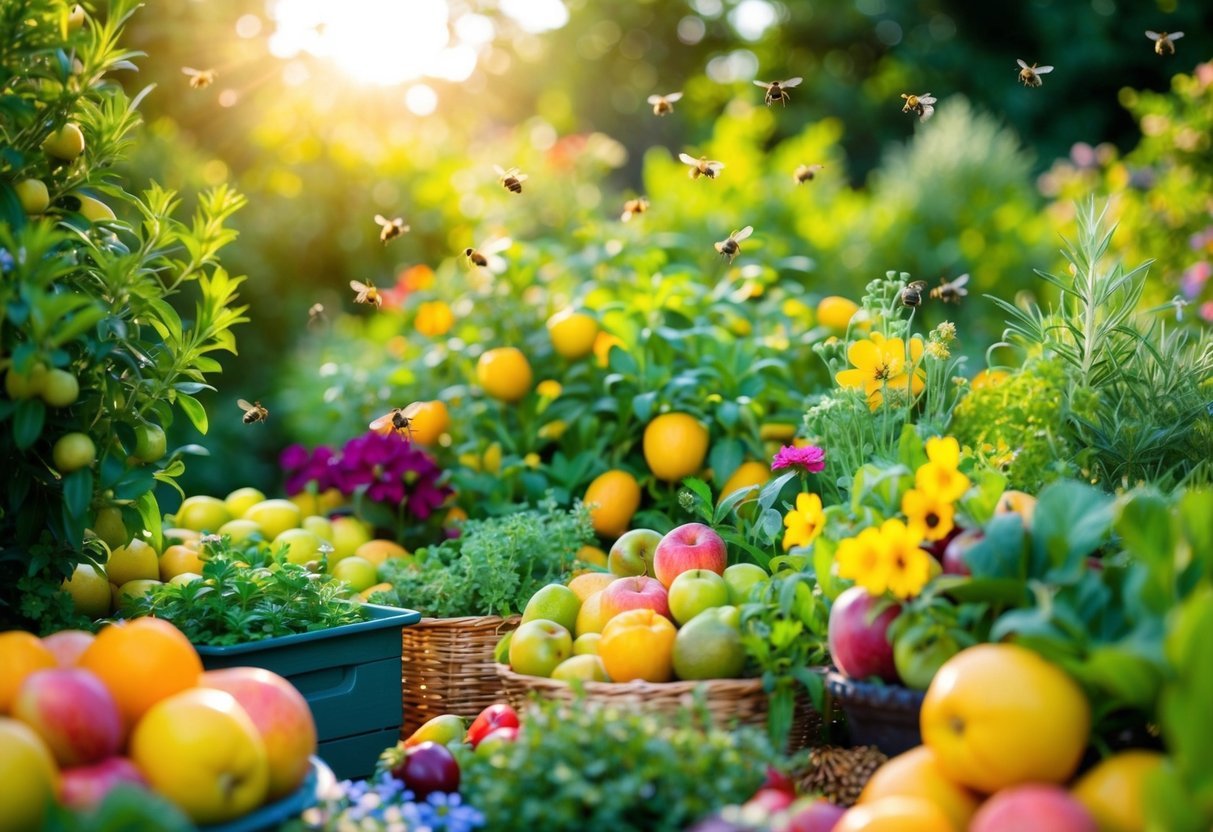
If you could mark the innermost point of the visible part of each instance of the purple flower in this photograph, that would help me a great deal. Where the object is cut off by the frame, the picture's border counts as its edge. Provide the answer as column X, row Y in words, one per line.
column 810, row 459
column 390, row 469
column 303, row 467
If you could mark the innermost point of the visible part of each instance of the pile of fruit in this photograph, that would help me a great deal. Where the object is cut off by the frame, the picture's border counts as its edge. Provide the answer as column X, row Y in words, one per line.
column 666, row 609
column 82, row 714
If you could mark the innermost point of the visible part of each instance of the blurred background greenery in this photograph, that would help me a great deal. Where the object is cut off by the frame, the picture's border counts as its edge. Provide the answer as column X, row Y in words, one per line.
column 325, row 114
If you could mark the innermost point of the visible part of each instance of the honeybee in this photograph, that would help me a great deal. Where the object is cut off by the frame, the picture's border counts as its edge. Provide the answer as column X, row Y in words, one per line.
column 701, row 166
column 911, row 295
column 315, row 315
column 1164, row 42
column 921, row 105
column 777, row 90
column 511, row 179
column 200, row 79
column 805, row 173
column 390, row 229
column 253, row 412
column 634, row 207
column 951, row 291
column 399, row 421
column 664, row 104
column 486, row 256
column 731, row 247
column 367, row 293
column 1029, row 76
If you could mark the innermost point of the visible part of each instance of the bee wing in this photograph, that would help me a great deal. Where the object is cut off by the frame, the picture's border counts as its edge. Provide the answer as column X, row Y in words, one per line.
column 687, row 160
column 412, row 410
column 762, row 84
column 791, row 82
column 497, row 245
column 738, row 236
column 521, row 177
column 927, row 112
column 918, row 284
column 715, row 167
column 500, row 171
column 672, row 97
column 244, row 405
column 382, row 424
column 719, row 246
column 960, row 281
column 382, row 220
column 1154, row 35
column 654, row 99
column 1043, row 70
column 1021, row 63
column 1175, row 36
column 496, row 265
column 358, row 287
column 626, row 215
column 927, row 99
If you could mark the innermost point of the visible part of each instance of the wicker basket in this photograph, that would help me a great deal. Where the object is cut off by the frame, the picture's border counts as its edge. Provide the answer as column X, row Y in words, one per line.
column 730, row 702
column 885, row 716
column 448, row 667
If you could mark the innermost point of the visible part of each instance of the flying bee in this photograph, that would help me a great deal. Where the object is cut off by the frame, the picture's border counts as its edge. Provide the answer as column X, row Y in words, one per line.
column 254, row 412
column 486, row 256
column 701, row 166
column 731, row 247
column 367, row 293
column 399, row 421
column 911, row 295
column 922, row 106
column 951, row 291
column 664, row 104
column 1029, row 76
column 511, row 179
column 634, row 207
column 315, row 315
column 200, row 79
column 390, row 229
column 1164, row 42
column 805, row 173
column 777, row 90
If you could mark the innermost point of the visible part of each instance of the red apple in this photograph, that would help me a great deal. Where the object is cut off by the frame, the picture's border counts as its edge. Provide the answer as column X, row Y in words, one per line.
column 1039, row 807
column 937, row 547
column 489, row 720
column 632, row 554
column 281, row 716
column 637, row 593
column 859, row 643
column 73, row 713
column 690, row 546
column 770, row 801
column 813, row 814
column 67, row 645
column 954, row 562
column 428, row 768
column 495, row 739
column 85, row 786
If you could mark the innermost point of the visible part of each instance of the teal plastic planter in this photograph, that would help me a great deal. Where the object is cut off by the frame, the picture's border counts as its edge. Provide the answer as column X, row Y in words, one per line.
column 350, row 676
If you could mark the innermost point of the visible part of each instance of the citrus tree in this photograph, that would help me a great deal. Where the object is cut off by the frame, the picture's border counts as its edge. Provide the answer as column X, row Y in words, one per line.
column 97, row 355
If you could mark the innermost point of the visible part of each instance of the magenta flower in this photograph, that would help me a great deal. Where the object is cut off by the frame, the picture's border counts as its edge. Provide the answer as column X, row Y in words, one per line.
column 303, row 467
column 390, row 470
column 810, row 459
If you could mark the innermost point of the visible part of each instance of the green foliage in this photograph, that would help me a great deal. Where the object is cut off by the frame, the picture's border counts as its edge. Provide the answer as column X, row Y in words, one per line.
column 89, row 296
column 493, row 567
column 249, row 593
column 123, row 807
column 598, row 768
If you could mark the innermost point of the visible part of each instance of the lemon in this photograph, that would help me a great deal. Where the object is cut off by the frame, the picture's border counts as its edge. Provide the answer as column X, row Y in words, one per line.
column 504, row 373
column 25, row 385
column 29, row 774
column 73, row 451
column 202, row 514
column 274, row 516
column 348, row 534
column 34, row 196
column 1114, row 791
column 89, row 589
column 675, row 445
column 241, row 500
column 132, row 562
column 747, row 473
column 573, row 334
column 612, row 499
column 66, row 143
column 239, row 530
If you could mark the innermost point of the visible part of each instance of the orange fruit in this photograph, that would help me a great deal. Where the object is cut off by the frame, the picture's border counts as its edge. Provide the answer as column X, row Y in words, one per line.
column 90, row 590
column 896, row 814
column 29, row 775
column 1113, row 791
column 378, row 551
column 504, row 373
column 69, row 645
column 997, row 715
column 835, row 312
column 916, row 774
column 592, row 555
column 573, row 334
column 675, row 445
column 429, row 421
column 747, row 474
column 638, row 644
column 587, row 584
column 177, row 560
column 21, row 653
column 142, row 662
column 613, row 498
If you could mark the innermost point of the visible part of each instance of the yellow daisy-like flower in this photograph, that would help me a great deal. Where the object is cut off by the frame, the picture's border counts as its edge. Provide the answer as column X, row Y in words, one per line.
column 434, row 319
column 865, row 560
column 940, row 478
column 804, row 523
column 881, row 363
column 933, row 516
column 909, row 566
column 549, row 388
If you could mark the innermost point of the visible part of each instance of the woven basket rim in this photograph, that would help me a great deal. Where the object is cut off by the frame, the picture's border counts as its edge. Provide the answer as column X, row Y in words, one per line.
column 430, row 621
column 637, row 687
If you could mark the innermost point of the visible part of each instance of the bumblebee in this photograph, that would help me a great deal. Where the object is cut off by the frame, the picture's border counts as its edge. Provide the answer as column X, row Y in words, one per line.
column 951, row 291
column 911, row 295
column 254, row 412
column 805, row 173
column 701, row 166
column 200, row 79
column 399, row 421
column 1164, row 42
column 1029, row 76
column 922, row 106
column 777, row 90
column 634, row 207
column 663, row 104
column 731, row 246
column 367, row 293
column 390, row 229
column 511, row 179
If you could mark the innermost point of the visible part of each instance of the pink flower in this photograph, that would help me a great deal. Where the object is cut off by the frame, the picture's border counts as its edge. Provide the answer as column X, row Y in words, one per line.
column 810, row 458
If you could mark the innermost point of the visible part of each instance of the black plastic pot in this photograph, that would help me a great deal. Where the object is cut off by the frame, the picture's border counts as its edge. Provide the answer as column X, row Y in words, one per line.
column 885, row 716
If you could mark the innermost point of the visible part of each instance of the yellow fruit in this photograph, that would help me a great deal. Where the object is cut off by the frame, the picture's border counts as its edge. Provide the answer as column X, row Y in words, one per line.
column 34, row 196
column 25, row 385
column 185, row 578
column 573, row 334
column 1113, row 791
column 747, row 474
column 21, row 654
column 319, row 526
column 587, row 584
column 179, row 560
column 131, row 590
column 896, row 814
column 612, row 498
column 429, row 422
column 200, row 749
column 504, row 373
column 777, row 432
column 239, row 530
column 989, row 378
column 1017, row 502
column 241, row 500
column 585, row 667
column 366, row 594
column 358, row 572
column 586, row 644
column 835, row 312
column 132, row 562
column 997, row 715
column 916, row 774
column 73, row 451
column 675, row 445
column 603, row 344
column 638, row 644
column 202, row 514
column 60, row 388
column 29, row 775
column 348, row 534
column 592, row 556
column 109, row 527
column 378, row 551
column 274, row 516
column 176, row 534
column 300, row 545
column 66, row 143
column 590, row 618
column 90, row 591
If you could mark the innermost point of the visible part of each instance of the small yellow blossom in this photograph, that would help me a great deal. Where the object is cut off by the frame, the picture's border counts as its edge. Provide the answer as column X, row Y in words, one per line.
column 909, row 566
column 803, row 523
column 933, row 516
column 549, row 389
column 553, row 430
column 863, row 560
column 946, row 331
column 531, row 460
column 881, row 364
column 938, row 350
column 940, row 478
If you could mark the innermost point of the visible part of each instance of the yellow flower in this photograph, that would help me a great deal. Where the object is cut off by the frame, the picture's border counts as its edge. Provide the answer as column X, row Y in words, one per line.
column 549, row 389
column 553, row 430
column 940, row 478
column 803, row 523
column 434, row 319
column 864, row 560
column 989, row 378
column 880, row 363
column 933, row 516
column 938, row 350
column 908, row 564
column 491, row 461
column 531, row 460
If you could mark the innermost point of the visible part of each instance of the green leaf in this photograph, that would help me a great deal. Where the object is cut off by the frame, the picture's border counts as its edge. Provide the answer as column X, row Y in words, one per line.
column 911, row 450
column 78, row 492
column 1002, row 552
column 1070, row 522
column 1148, row 533
column 726, row 455
column 643, row 404
column 28, row 419
column 700, row 489
column 1195, row 509
column 194, row 411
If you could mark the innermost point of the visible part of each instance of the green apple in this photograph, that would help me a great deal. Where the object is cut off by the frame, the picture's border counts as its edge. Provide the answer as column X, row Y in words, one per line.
column 555, row 602
column 632, row 553
column 694, row 591
column 34, row 196
column 441, row 729
column 586, row 644
column 358, row 572
column 741, row 578
column 301, row 547
column 585, row 668
column 709, row 646
column 538, row 647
